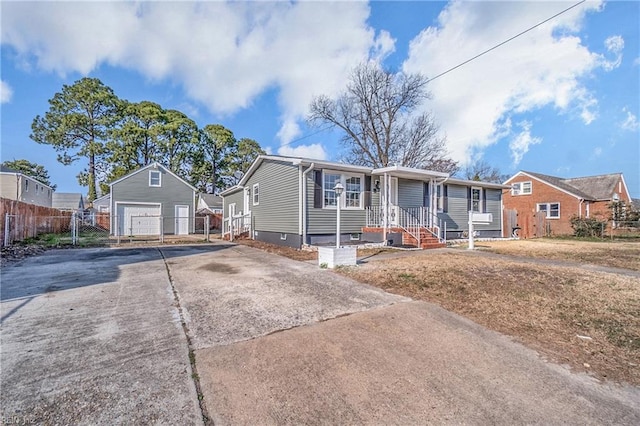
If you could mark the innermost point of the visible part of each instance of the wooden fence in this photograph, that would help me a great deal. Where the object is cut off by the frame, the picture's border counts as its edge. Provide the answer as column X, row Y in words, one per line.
column 28, row 220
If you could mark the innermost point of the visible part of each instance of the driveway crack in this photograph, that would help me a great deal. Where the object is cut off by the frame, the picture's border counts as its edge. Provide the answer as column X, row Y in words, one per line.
column 192, row 355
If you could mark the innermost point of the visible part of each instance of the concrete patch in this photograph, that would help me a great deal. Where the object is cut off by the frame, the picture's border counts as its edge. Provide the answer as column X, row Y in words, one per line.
column 411, row 363
column 92, row 337
column 240, row 293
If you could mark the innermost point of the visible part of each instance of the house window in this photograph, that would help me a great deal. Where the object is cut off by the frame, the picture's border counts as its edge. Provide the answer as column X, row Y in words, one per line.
column 354, row 237
column 283, row 237
column 440, row 197
column 476, row 199
column 26, row 186
column 256, row 194
column 353, row 187
column 155, row 178
column 521, row 188
column 551, row 210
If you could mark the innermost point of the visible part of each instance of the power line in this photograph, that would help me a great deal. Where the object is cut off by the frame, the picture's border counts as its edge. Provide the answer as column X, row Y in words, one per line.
column 506, row 41
column 462, row 63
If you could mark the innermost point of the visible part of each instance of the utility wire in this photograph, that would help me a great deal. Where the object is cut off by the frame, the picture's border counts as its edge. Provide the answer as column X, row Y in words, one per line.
column 506, row 41
column 460, row 64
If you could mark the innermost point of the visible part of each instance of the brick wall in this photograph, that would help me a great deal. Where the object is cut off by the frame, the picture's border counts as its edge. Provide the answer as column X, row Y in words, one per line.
column 526, row 207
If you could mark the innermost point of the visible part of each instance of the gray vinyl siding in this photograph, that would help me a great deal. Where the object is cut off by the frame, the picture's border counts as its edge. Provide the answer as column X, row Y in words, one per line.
column 135, row 189
column 410, row 193
column 14, row 186
column 277, row 210
column 457, row 214
column 323, row 221
column 235, row 197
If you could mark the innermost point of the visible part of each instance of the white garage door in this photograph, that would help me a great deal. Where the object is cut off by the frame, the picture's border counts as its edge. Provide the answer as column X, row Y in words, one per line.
column 138, row 219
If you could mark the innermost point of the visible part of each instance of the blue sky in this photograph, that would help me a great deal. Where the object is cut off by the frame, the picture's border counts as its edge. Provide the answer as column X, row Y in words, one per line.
column 562, row 99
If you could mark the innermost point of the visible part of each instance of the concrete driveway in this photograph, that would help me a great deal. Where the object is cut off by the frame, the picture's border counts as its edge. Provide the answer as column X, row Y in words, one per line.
column 99, row 339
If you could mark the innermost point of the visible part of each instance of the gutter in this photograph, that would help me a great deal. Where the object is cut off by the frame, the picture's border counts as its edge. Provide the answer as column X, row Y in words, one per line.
column 303, row 203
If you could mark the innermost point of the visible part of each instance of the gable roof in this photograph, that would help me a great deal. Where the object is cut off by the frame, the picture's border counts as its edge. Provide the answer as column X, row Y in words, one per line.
column 593, row 188
column 154, row 165
column 67, row 200
column 213, row 201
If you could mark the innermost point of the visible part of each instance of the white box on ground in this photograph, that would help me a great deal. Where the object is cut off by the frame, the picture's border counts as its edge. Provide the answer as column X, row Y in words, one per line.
column 332, row 256
column 482, row 217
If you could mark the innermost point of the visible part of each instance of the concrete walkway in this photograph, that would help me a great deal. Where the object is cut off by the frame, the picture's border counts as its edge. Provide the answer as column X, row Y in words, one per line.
column 95, row 337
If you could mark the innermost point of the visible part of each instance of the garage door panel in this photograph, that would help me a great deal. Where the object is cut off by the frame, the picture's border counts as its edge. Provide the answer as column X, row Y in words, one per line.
column 139, row 219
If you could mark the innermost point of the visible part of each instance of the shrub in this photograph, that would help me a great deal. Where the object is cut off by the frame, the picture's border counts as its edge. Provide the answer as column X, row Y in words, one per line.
column 588, row 226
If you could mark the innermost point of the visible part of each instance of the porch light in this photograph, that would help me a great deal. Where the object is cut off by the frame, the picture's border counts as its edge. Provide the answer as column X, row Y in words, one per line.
column 338, row 189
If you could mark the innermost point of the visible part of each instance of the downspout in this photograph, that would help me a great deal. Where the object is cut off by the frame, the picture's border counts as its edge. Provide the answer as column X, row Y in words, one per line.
column 303, row 209
column 386, row 210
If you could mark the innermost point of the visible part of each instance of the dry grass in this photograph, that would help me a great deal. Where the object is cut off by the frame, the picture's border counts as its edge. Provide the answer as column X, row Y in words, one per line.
column 615, row 254
column 301, row 255
column 545, row 307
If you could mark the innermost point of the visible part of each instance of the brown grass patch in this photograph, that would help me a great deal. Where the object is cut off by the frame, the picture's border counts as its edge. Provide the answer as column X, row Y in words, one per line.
column 289, row 252
column 615, row 254
column 545, row 307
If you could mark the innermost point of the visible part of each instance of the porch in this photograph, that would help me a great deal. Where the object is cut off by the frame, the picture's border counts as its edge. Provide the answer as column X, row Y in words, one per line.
column 419, row 226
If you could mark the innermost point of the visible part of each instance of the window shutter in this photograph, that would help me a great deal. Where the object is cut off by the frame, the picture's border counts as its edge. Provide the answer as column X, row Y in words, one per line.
column 445, row 196
column 317, row 189
column 468, row 198
column 367, row 191
column 427, row 200
column 484, row 200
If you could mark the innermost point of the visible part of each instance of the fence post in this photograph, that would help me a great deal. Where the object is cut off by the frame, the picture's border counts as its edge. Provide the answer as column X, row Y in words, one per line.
column 6, row 229
column 73, row 229
column 161, row 229
column 206, row 224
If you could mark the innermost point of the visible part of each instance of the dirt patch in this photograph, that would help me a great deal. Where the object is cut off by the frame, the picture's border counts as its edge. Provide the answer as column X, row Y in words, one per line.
column 615, row 254
column 18, row 252
column 289, row 252
column 589, row 321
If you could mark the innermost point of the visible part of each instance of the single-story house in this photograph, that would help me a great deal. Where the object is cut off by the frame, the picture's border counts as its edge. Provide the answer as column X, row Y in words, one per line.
column 102, row 204
column 291, row 201
column 15, row 185
column 150, row 201
column 68, row 201
column 540, row 205
column 209, row 204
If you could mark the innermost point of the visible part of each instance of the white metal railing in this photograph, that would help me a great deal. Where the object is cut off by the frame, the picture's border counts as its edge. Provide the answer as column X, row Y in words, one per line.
column 236, row 225
column 412, row 219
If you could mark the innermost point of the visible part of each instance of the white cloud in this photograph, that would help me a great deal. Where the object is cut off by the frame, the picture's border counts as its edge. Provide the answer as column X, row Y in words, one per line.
column 615, row 45
column 597, row 152
column 224, row 54
column 520, row 144
column 630, row 122
column 545, row 67
column 314, row 151
column 5, row 92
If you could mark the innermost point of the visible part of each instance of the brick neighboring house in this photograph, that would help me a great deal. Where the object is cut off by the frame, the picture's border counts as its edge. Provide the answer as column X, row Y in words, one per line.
column 543, row 205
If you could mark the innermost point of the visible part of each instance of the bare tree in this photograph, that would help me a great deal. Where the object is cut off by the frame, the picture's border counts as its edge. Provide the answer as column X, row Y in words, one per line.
column 377, row 113
column 483, row 171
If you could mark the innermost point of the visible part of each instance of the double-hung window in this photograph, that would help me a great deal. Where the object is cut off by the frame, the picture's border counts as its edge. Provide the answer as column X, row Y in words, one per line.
column 551, row 210
column 155, row 178
column 440, row 197
column 353, row 186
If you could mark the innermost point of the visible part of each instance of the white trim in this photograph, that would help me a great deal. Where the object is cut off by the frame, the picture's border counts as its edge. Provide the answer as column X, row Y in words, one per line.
column 409, row 172
column 521, row 190
column 343, row 180
column 159, row 185
column 256, row 186
column 176, row 217
column 480, row 206
column 114, row 213
column 154, row 165
column 548, row 209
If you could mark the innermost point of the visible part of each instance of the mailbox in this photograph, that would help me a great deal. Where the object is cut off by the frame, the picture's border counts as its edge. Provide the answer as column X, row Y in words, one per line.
column 482, row 217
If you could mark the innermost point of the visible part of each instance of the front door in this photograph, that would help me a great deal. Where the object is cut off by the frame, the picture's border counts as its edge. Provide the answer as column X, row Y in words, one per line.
column 393, row 202
column 182, row 220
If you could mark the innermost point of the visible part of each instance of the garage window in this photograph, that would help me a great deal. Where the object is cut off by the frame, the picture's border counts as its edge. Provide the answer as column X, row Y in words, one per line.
column 155, row 178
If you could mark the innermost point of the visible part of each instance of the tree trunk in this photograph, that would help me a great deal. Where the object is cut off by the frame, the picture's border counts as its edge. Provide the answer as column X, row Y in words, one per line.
column 92, row 177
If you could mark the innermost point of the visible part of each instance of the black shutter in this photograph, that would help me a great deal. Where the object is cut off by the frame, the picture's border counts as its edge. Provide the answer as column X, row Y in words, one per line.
column 317, row 189
column 484, row 200
column 445, row 201
column 427, row 200
column 469, row 204
column 367, row 191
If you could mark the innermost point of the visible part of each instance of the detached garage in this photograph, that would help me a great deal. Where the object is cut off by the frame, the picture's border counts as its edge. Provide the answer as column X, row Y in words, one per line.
column 150, row 201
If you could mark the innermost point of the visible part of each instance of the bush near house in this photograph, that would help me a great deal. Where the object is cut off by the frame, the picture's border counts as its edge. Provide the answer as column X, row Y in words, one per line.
column 588, row 226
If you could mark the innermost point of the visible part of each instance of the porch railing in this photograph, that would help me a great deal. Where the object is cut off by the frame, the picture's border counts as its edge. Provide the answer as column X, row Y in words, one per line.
column 411, row 219
column 236, row 225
